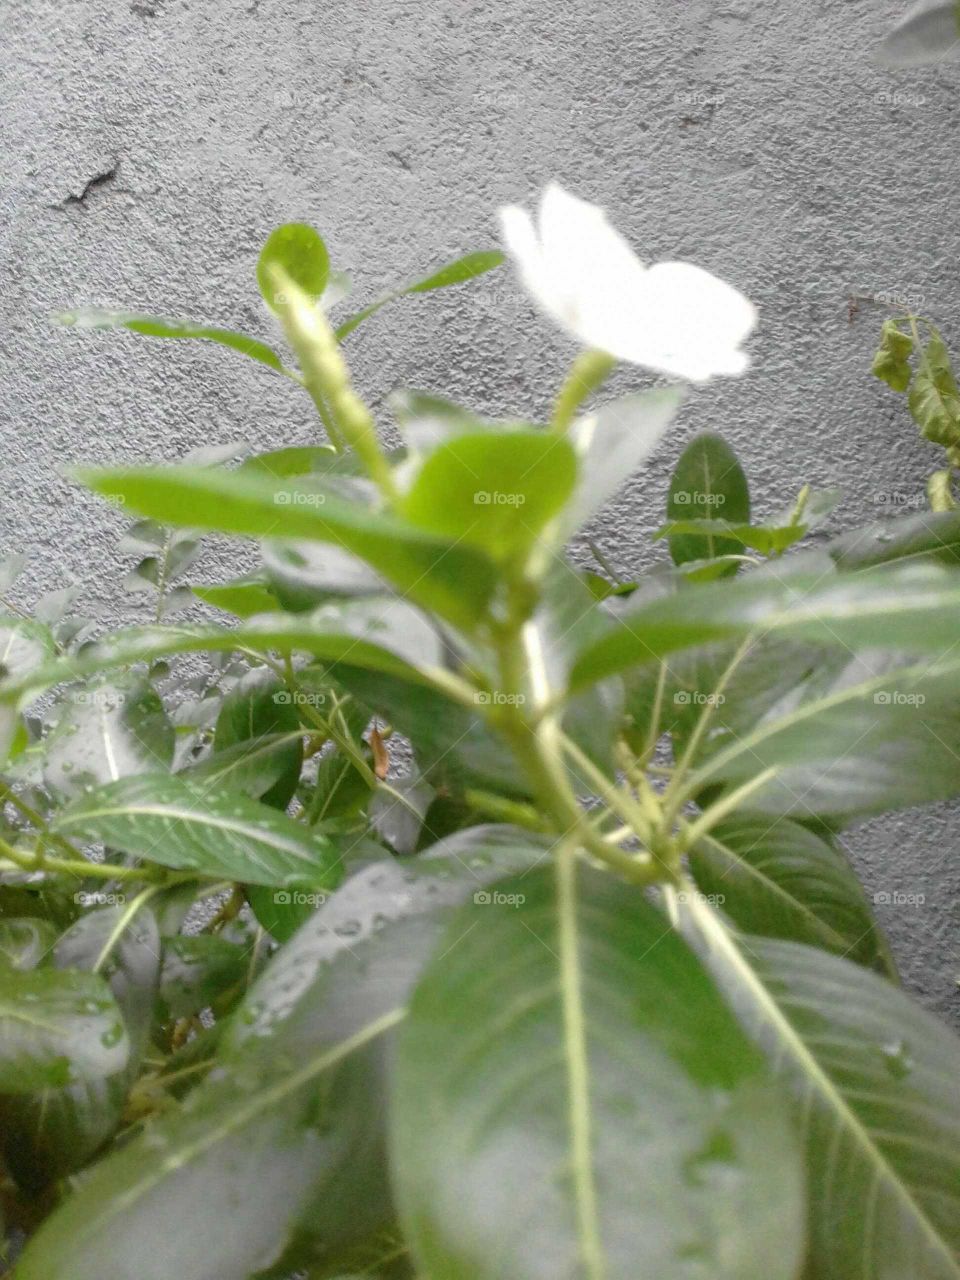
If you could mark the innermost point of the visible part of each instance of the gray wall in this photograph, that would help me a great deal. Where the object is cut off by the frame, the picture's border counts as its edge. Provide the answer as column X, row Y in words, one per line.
column 758, row 139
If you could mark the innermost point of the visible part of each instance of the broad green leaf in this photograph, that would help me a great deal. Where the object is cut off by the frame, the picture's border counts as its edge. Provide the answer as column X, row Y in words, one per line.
column 456, row 581
column 260, row 708
column 303, row 575
column 24, row 645
column 493, row 489
column 296, row 460
column 163, row 819
column 280, row 911
column 253, row 767
column 350, row 633
column 766, row 538
column 57, row 1027
column 26, row 942
column 456, row 272
column 161, row 327
column 928, row 33
column 200, row 971
column 50, row 1134
column 877, row 736
column 279, row 1156
column 572, row 1097
column 302, row 254
column 877, row 1101
column 910, row 607
column 934, row 398
column 445, row 874
column 779, row 880
column 929, row 537
column 243, row 597
column 708, row 482
column 612, row 443
column 106, row 730
column 892, row 362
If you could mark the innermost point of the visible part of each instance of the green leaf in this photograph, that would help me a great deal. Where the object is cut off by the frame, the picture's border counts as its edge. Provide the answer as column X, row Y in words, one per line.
column 779, row 880
column 765, row 538
column 496, row 490
column 24, row 645
column 243, row 597
column 910, row 607
column 303, row 575
column 456, row 272
column 875, row 737
column 302, row 254
column 296, row 460
column 57, row 1027
column 934, row 399
column 873, row 1078
column 26, row 943
column 524, row 1143
column 161, row 327
column 445, row 874
column 708, row 482
column 928, row 32
column 612, row 443
column 348, row 633
column 106, row 730
column 251, row 766
column 892, row 362
column 219, row 834
column 929, row 537
column 456, row 581
column 260, row 708
column 281, row 1154
column 200, row 971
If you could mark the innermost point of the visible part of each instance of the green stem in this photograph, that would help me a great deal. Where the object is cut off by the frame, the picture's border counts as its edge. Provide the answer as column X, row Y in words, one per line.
column 82, row 867
column 327, row 378
column 587, row 373
column 7, row 794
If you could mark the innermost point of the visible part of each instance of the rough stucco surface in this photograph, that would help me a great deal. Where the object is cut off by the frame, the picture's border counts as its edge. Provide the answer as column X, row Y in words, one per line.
column 758, row 139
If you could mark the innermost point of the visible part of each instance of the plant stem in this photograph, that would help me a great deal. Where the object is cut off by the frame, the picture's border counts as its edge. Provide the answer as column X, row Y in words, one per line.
column 82, row 867
column 326, row 377
column 587, row 373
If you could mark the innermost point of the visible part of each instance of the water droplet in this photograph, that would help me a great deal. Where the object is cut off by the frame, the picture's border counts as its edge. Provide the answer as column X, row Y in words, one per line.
column 113, row 1036
column 897, row 1058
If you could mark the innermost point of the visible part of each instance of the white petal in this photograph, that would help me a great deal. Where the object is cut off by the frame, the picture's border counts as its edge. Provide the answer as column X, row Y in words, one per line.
column 593, row 272
column 520, row 241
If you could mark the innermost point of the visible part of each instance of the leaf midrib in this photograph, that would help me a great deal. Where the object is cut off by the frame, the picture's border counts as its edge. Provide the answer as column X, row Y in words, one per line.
column 714, row 929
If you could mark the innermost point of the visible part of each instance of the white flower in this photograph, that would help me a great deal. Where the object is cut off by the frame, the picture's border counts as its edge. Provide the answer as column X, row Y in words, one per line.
column 673, row 317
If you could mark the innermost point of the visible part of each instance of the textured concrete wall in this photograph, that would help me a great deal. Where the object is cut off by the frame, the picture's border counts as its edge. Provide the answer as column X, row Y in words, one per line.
column 149, row 146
